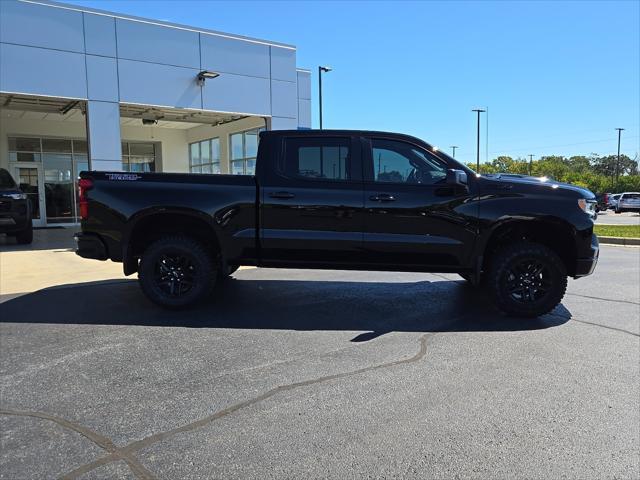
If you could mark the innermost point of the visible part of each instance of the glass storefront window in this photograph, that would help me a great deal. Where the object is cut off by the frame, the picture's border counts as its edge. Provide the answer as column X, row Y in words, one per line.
column 204, row 156
column 24, row 144
column 58, row 187
column 80, row 146
column 244, row 150
column 142, row 149
column 56, row 145
column 237, row 167
column 236, row 146
column 24, row 157
column 138, row 157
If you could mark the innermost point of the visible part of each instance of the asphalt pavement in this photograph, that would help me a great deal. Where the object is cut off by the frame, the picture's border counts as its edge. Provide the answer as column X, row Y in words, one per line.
column 315, row 374
column 612, row 218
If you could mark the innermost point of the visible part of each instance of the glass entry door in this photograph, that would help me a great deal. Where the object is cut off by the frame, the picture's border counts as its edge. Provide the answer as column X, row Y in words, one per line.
column 29, row 178
column 80, row 164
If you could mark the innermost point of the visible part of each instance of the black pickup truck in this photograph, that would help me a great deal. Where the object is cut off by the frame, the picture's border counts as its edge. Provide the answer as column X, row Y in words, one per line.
column 336, row 199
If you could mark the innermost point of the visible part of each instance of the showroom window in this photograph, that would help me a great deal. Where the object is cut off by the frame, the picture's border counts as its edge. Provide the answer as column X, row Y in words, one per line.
column 138, row 157
column 244, row 150
column 204, row 156
column 61, row 160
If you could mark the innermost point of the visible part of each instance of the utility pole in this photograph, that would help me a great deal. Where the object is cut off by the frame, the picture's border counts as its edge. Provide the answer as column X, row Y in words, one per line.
column 618, row 159
column 479, row 111
column 453, row 148
column 321, row 69
column 530, row 164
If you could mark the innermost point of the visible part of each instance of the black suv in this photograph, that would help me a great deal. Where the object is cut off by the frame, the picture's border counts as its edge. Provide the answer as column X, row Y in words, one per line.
column 15, row 210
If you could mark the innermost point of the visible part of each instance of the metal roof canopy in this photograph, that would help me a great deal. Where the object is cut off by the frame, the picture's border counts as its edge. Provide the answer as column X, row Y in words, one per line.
column 65, row 107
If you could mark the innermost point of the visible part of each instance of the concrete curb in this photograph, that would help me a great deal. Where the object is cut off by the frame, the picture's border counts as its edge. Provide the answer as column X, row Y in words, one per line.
column 619, row 241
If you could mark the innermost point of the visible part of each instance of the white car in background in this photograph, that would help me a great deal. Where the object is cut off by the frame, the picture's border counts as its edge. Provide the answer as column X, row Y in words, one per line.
column 628, row 202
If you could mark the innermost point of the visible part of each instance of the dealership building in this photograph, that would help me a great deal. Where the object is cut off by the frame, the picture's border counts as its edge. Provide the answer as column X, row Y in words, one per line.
column 88, row 89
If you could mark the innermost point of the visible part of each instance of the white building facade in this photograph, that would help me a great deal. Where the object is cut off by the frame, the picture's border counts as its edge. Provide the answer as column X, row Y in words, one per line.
column 87, row 89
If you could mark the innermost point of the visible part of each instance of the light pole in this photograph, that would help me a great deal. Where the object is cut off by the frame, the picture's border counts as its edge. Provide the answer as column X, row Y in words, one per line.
column 530, row 164
column 479, row 110
column 321, row 69
column 453, row 149
column 618, row 159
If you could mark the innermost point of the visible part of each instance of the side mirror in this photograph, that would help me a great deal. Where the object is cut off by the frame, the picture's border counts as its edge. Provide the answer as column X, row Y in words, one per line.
column 456, row 177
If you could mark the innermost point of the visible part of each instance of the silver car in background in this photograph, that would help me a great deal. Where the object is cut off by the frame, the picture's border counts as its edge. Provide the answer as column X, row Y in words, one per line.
column 628, row 202
column 613, row 200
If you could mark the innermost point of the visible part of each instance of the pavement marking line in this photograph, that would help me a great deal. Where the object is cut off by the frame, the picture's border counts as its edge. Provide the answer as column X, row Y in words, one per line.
column 127, row 450
column 100, row 440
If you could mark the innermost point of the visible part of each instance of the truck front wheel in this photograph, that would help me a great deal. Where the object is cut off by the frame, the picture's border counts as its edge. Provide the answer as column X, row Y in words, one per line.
column 526, row 279
column 176, row 272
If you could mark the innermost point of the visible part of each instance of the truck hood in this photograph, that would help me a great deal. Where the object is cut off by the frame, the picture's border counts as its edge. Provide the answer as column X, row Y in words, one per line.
column 543, row 183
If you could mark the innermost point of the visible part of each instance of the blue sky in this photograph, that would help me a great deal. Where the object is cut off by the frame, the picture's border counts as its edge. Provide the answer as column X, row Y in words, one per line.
column 558, row 77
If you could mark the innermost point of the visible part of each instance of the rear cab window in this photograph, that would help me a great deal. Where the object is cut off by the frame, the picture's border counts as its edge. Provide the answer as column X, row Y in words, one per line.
column 319, row 159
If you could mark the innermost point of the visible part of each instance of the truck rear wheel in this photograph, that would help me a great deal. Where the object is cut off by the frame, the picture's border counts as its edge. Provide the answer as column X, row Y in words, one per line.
column 526, row 279
column 176, row 272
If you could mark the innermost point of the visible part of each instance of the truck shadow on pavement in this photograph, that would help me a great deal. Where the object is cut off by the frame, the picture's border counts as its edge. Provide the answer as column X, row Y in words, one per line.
column 374, row 308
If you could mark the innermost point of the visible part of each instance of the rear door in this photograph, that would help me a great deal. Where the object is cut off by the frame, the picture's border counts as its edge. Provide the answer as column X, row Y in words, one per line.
column 312, row 200
column 413, row 218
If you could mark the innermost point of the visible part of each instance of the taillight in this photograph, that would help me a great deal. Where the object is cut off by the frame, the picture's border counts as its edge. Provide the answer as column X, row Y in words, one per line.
column 84, row 185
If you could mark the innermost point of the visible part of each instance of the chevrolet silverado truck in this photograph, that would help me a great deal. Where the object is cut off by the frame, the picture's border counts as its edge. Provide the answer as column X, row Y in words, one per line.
column 335, row 199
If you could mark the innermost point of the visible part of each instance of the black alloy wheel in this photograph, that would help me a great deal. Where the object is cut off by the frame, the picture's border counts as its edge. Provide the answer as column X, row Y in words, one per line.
column 526, row 279
column 174, row 274
column 177, row 271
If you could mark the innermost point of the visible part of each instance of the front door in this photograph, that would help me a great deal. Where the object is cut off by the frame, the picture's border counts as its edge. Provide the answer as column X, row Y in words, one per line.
column 29, row 178
column 413, row 218
column 312, row 201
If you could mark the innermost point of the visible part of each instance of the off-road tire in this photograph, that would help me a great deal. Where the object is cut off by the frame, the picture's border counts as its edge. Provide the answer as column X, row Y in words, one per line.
column 200, row 267
column 25, row 237
column 501, row 271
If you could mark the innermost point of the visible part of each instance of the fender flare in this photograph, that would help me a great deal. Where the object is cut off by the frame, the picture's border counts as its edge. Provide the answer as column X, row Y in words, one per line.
column 129, row 262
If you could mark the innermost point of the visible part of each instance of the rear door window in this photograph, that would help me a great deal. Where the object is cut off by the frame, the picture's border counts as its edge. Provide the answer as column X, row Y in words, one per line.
column 320, row 158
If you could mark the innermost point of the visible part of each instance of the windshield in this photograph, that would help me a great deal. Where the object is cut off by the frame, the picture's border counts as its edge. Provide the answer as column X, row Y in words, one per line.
column 5, row 179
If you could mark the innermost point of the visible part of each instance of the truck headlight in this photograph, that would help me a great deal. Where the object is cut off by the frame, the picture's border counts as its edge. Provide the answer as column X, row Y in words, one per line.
column 17, row 196
column 587, row 206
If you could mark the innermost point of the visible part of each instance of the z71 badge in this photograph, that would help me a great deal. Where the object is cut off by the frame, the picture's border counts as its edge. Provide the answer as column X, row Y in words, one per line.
column 123, row 176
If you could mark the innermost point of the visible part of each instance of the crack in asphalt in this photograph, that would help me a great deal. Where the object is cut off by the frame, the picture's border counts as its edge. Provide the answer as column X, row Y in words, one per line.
column 603, row 299
column 629, row 332
column 100, row 440
column 622, row 330
column 126, row 453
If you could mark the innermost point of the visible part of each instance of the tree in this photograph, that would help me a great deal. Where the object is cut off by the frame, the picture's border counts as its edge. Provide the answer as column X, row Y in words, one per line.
column 607, row 165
